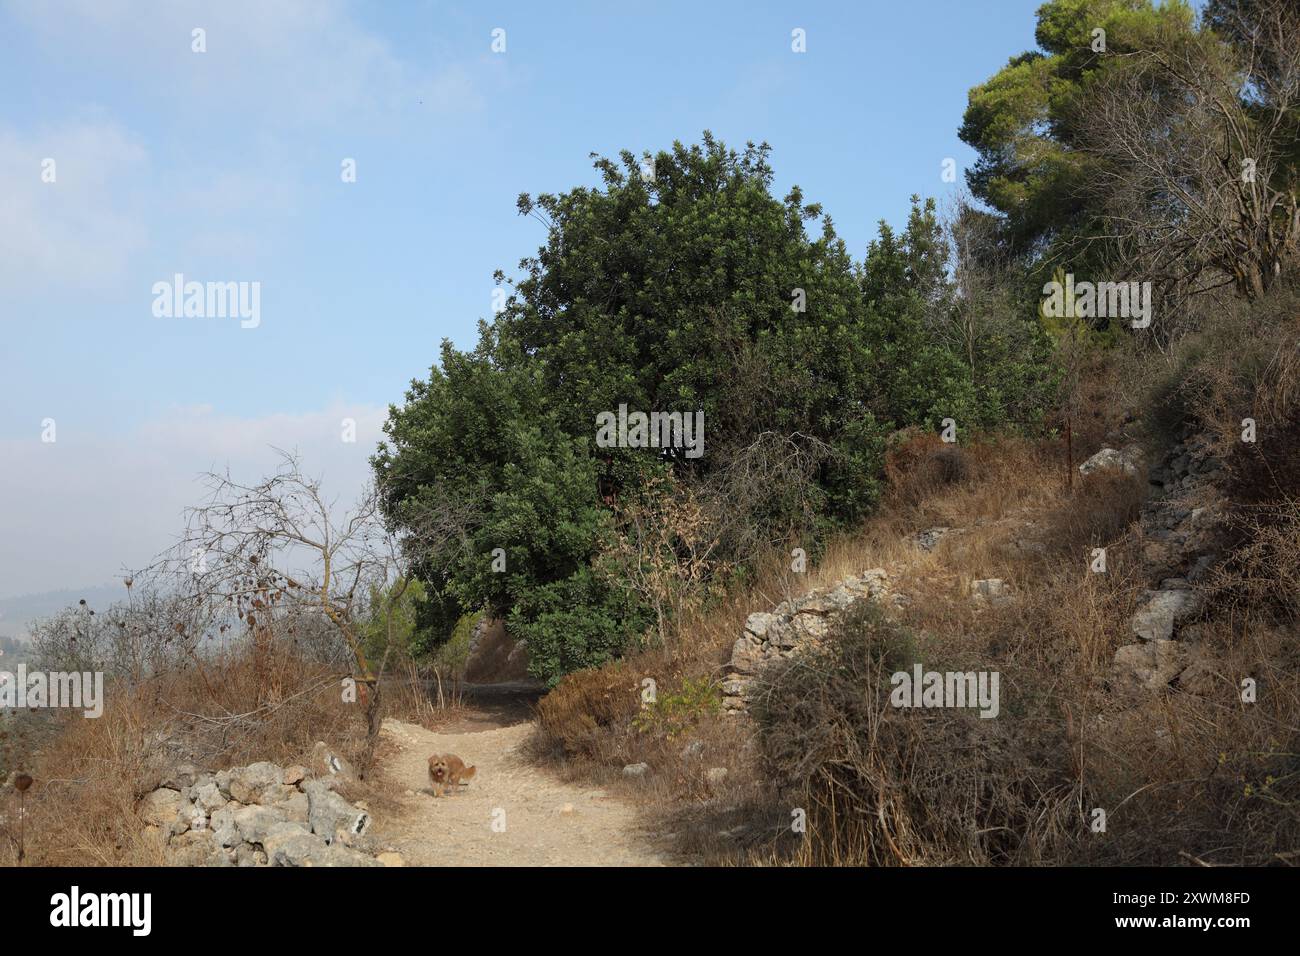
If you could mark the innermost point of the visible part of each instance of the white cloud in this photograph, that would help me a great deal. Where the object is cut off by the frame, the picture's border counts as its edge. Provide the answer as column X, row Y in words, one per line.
column 230, row 131
column 80, row 228
column 81, row 509
column 298, row 62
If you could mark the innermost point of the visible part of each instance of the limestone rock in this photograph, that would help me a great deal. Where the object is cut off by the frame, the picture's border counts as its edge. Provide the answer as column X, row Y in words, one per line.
column 224, row 829
column 246, row 855
column 276, row 795
column 770, row 636
column 255, row 822
column 306, row 849
column 248, row 784
column 209, row 797
column 1130, row 461
column 327, row 763
column 991, row 590
column 746, row 655
column 197, row 848
column 809, row 626
column 1148, row 667
column 734, row 686
column 187, row 815
column 289, row 844
column 159, row 807
column 181, row 776
column 1160, row 611
column 927, row 539
column 297, row 808
column 331, row 817
column 271, row 823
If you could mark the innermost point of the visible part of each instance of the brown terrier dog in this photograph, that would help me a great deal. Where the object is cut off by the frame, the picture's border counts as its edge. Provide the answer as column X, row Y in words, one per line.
column 447, row 771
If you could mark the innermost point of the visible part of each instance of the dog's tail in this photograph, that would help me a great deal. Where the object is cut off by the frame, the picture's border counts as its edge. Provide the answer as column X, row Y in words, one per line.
column 467, row 773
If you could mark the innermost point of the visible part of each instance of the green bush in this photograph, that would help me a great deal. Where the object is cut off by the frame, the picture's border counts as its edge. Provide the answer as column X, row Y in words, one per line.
column 452, row 656
column 693, row 291
column 674, row 713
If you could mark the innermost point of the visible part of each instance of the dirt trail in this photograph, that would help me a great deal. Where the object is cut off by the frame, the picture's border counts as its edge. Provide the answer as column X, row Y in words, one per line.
column 546, row 821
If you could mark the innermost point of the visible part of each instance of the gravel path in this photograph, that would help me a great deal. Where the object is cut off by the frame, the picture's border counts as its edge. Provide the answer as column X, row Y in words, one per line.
column 512, row 813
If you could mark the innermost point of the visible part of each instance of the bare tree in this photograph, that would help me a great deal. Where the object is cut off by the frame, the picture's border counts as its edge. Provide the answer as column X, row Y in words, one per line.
column 764, row 492
column 1193, row 143
column 663, row 549
column 148, row 633
column 279, row 546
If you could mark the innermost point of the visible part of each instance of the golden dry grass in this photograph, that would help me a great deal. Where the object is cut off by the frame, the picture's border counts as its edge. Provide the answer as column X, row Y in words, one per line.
column 1182, row 775
column 234, row 708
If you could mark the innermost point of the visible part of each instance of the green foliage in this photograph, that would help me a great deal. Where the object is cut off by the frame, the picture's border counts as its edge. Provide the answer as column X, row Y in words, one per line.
column 933, row 359
column 917, row 380
column 479, row 464
column 390, row 621
column 692, row 291
column 1070, row 330
column 1024, row 120
column 452, row 656
column 672, row 714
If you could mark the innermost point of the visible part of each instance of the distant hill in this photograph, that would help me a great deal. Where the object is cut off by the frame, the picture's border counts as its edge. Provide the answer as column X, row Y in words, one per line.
column 12, row 653
column 16, row 613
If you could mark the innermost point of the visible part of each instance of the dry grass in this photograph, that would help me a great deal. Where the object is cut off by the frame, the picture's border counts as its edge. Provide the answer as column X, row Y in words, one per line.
column 1193, row 773
column 409, row 695
column 1181, row 775
column 573, row 718
column 264, row 699
column 237, row 707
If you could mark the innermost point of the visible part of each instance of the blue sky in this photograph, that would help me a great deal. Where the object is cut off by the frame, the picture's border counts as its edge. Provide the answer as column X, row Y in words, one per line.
column 225, row 166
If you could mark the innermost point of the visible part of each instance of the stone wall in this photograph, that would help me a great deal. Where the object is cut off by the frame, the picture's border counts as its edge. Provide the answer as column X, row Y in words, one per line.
column 1177, row 536
column 772, row 635
column 261, row 815
column 1178, row 541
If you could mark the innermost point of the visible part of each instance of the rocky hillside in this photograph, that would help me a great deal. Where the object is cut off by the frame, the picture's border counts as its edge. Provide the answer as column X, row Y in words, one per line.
column 1178, row 535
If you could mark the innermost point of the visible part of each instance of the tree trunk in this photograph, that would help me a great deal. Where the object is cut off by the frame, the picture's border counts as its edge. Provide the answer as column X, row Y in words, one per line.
column 1069, row 453
column 374, row 721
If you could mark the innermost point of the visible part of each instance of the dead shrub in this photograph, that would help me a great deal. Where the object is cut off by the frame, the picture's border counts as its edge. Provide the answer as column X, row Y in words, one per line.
column 1194, row 776
column 571, row 717
column 922, row 463
column 1267, row 471
column 1096, row 512
column 411, row 694
column 1262, row 572
column 249, row 702
column 889, row 786
column 1243, row 361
